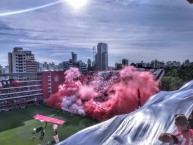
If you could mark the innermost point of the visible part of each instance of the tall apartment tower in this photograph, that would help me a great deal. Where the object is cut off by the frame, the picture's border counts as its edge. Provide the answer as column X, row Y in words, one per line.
column 22, row 61
column 102, row 57
column 74, row 57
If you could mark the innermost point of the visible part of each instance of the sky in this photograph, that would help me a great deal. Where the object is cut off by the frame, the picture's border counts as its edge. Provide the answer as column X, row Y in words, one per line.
column 134, row 29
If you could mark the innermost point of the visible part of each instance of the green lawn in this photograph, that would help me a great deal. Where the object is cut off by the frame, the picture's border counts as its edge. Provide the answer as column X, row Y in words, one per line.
column 16, row 126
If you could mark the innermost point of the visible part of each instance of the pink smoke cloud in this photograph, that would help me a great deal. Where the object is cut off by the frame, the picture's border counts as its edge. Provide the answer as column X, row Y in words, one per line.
column 103, row 97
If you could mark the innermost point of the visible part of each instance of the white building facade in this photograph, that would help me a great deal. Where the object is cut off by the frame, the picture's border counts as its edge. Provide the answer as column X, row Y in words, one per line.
column 102, row 57
column 22, row 61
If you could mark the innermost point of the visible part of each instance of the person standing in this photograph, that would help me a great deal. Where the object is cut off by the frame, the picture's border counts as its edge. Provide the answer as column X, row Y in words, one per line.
column 55, row 127
column 34, row 134
column 42, row 134
column 56, row 138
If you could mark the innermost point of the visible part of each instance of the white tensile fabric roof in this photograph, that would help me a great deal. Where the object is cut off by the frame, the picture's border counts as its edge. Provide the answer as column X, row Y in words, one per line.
column 141, row 127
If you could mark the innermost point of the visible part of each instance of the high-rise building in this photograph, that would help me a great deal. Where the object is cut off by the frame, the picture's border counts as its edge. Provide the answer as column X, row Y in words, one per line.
column 89, row 64
column 1, row 69
column 22, row 61
column 74, row 57
column 102, row 56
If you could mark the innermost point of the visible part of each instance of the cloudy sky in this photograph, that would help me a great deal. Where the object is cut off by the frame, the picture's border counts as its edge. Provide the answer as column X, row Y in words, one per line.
column 134, row 29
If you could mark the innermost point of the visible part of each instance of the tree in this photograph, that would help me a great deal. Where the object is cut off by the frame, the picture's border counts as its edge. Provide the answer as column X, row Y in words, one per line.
column 170, row 83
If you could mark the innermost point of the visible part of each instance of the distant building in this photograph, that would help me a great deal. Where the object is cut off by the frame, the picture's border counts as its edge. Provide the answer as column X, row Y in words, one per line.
column 65, row 65
column 176, row 64
column 47, row 66
column 157, row 64
column 143, row 65
column 168, row 64
column 89, row 64
column 74, row 57
column 125, row 62
column 82, row 66
column 6, row 69
column 52, row 66
column 118, row 66
column 173, row 64
column 1, row 69
column 102, row 57
column 22, row 61
column 187, row 62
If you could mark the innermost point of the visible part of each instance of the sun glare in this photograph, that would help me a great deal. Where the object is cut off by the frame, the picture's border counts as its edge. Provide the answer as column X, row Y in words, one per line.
column 77, row 4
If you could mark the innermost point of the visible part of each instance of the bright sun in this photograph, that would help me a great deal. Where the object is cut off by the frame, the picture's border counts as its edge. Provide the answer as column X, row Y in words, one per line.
column 77, row 4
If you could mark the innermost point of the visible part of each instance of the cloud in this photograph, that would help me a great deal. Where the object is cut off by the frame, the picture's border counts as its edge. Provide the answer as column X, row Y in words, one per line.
column 156, row 28
column 29, row 9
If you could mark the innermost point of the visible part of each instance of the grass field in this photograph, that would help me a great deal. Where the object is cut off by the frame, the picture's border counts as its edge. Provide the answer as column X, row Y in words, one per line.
column 16, row 126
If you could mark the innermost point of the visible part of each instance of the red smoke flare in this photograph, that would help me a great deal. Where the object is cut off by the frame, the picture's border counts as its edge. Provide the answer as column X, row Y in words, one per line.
column 107, row 94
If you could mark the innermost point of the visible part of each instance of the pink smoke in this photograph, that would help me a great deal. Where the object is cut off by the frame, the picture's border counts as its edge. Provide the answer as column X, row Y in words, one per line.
column 107, row 96
column 70, row 87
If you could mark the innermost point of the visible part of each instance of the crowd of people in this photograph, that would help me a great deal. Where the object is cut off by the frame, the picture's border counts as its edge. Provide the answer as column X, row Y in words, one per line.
column 8, row 91
column 19, row 89
column 20, row 94
column 28, row 83
column 20, row 103
column 104, row 80
column 16, row 83
column 184, row 136
column 20, row 97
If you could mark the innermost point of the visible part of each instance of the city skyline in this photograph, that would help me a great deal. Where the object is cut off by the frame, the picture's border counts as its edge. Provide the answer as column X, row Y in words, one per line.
column 134, row 30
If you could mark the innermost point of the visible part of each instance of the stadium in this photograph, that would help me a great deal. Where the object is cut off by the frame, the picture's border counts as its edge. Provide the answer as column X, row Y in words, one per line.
column 83, row 100
column 124, row 107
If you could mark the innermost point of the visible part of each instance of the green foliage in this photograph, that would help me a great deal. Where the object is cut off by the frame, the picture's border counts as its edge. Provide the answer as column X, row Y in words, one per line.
column 171, row 83
column 174, row 77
